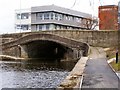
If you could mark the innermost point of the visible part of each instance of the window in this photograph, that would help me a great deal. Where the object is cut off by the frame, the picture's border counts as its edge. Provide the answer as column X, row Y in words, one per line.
column 55, row 26
column 39, row 16
column 69, row 17
column 77, row 19
column 66, row 17
column 18, row 16
column 63, row 16
column 60, row 16
column 47, row 27
column 40, row 27
column 18, row 27
column 46, row 16
column 65, row 27
column 24, row 27
column 68, row 27
column 24, row 15
column 52, row 15
column 58, row 27
column 73, row 18
column 56, row 16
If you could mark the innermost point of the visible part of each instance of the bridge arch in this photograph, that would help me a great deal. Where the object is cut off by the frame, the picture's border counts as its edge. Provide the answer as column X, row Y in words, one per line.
column 62, row 42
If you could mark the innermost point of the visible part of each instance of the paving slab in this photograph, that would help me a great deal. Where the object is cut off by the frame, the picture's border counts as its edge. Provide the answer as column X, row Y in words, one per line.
column 98, row 73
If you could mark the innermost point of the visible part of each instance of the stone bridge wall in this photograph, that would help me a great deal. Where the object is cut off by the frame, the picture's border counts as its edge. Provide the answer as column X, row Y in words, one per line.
column 93, row 38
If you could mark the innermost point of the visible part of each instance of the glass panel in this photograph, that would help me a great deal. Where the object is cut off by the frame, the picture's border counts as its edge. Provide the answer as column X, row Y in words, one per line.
column 24, row 27
column 55, row 26
column 18, row 16
column 69, row 18
column 46, row 16
column 52, row 15
column 73, row 18
column 66, row 17
column 60, row 16
column 40, row 27
column 24, row 16
column 39, row 16
column 47, row 27
column 18, row 27
column 56, row 16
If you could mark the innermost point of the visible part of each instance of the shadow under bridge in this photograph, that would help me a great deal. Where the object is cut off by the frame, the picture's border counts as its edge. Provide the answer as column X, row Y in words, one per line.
column 45, row 49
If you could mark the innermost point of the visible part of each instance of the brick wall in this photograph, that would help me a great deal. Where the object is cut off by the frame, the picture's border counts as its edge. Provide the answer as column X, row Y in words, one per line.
column 108, row 17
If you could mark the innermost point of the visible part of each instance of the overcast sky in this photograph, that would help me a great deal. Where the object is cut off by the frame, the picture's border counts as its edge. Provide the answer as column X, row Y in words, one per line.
column 7, row 8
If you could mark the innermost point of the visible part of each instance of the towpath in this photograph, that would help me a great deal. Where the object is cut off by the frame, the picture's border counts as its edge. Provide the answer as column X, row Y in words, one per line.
column 98, row 73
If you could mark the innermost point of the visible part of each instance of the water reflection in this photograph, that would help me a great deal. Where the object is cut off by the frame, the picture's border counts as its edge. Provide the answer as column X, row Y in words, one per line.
column 33, row 73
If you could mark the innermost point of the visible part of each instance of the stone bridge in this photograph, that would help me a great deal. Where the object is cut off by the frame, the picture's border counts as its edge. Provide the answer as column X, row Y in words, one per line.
column 73, row 41
column 68, row 44
column 41, row 45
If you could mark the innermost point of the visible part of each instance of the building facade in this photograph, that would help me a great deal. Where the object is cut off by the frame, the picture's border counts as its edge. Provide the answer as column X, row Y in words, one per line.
column 23, row 20
column 51, row 17
column 108, row 17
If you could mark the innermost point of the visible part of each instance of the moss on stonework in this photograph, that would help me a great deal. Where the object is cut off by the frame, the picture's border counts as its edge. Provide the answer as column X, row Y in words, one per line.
column 115, row 66
column 111, row 53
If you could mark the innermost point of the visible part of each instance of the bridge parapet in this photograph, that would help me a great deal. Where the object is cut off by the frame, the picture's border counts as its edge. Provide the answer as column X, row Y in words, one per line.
column 100, row 38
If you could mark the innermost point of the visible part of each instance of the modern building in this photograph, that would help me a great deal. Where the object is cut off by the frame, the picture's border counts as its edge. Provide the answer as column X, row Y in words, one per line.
column 108, row 17
column 23, row 20
column 50, row 17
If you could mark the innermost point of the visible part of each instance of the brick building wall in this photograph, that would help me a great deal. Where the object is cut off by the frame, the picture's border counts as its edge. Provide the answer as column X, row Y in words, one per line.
column 108, row 17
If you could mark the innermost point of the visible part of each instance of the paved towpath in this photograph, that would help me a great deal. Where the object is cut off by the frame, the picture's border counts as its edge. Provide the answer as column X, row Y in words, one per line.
column 97, row 73
column 118, row 73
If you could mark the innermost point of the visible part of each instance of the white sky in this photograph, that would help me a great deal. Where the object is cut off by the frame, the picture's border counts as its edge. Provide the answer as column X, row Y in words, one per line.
column 7, row 8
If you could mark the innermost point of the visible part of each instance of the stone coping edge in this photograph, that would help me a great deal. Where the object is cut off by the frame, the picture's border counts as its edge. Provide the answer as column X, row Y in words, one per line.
column 74, row 79
column 6, row 57
column 113, row 70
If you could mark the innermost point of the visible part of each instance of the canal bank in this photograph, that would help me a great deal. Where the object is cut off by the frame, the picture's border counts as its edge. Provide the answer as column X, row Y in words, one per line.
column 74, row 79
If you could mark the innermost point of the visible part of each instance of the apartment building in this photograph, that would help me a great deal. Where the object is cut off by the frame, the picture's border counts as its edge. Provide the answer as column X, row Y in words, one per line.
column 23, row 20
column 108, row 17
column 51, row 17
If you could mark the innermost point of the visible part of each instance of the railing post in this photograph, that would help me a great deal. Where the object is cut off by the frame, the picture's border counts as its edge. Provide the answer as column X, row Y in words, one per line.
column 117, row 56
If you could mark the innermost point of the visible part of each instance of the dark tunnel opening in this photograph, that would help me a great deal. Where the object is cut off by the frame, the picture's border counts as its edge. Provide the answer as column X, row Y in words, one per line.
column 44, row 49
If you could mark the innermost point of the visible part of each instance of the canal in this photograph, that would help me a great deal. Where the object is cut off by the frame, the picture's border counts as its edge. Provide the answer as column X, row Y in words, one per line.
column 34, row 73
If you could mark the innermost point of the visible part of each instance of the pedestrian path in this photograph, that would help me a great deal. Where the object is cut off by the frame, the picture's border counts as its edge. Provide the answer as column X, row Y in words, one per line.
column 97, row 73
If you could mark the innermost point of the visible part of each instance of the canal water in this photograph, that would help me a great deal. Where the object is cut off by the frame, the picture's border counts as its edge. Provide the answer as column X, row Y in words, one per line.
column 33, row 73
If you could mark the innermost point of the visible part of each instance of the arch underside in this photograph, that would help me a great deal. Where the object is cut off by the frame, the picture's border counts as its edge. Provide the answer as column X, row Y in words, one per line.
column 45, row 49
